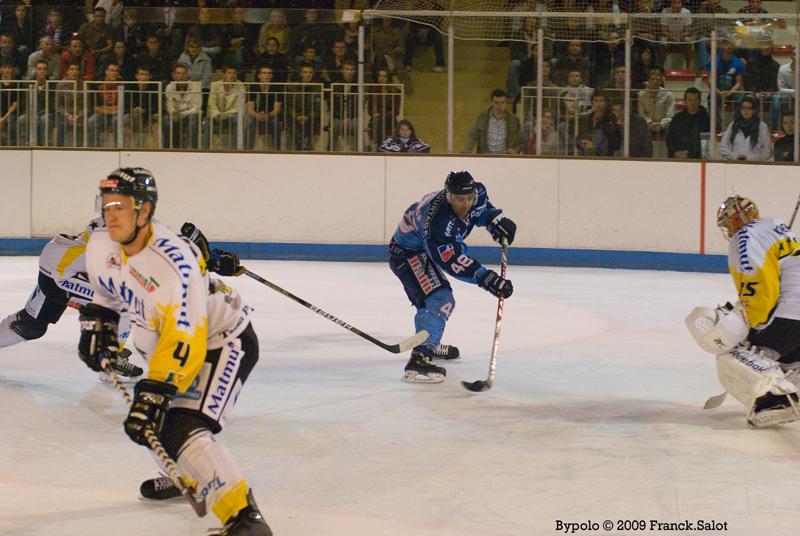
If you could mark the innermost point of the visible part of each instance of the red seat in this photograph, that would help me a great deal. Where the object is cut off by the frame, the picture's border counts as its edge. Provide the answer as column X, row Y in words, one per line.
column 777, row 135
column 679, row 74
column 782, row 50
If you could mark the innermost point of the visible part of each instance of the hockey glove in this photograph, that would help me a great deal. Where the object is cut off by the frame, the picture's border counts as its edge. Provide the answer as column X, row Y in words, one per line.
column 501, row 227
column 190, row 231
column 496, row 285
column 98, row 335
column 225, row 263
column 151, row 400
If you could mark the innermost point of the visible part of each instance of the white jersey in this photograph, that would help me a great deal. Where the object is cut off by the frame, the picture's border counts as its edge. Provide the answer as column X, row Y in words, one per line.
column 764, row 261
column 177, row 312
column 63, row 260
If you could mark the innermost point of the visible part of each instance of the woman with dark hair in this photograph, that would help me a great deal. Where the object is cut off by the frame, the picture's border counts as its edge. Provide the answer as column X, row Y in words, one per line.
column 643, row 62
column 404, row 141
column 747, row 137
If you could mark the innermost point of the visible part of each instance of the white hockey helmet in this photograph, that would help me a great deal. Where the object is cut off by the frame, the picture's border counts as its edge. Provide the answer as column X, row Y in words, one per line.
column 734, row 213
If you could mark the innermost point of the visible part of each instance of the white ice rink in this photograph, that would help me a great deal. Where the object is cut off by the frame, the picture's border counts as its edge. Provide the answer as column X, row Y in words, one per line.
column 595, row 414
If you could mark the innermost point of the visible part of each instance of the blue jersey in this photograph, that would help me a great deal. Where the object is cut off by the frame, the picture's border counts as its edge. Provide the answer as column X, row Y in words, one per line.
column 431, row 226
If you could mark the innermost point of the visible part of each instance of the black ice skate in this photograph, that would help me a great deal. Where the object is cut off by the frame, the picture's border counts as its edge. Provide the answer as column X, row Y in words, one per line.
column 159, row 489
column 420, row 369
column 445, row 351
column 127, row 371
column 248, row 522
column 772, row 410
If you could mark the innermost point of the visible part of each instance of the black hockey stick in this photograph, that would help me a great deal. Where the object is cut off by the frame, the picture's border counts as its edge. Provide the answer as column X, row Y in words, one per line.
column 403, row 346
column 794, row 214
column 198, row 505
column 485, row 385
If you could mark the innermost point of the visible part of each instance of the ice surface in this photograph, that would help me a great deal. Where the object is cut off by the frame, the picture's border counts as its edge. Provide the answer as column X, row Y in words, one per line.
column 595, row 414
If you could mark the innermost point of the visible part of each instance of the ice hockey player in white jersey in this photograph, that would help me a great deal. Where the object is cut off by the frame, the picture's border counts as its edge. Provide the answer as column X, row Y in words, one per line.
column 757, row 341
column 62, row 283
column 194, row 332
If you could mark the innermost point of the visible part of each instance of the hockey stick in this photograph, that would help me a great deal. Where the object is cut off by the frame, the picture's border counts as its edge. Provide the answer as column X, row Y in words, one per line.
column 199, row 506
column 794, row 214
column 484, row 385
column 403, row 346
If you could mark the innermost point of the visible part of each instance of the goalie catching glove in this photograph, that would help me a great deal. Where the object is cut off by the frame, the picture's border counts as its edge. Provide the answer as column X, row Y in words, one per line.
column 98, row 335
column 151, row 400
column 218, row 261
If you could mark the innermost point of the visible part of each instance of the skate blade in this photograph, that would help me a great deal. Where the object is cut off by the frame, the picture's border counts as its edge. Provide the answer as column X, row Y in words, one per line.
column 103, row 377
column 415, row 377
column 767, row 418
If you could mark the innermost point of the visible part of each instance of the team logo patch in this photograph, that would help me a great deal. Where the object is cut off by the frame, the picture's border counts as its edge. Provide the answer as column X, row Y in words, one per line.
column 113, row 261
column 446, row 252
column 149, row 284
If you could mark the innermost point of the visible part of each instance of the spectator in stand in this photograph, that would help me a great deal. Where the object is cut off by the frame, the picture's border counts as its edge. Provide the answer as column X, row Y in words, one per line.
column 236, row 37
column 97, row 35
column 334, row 60
column 683, row 136
column 404, row 140
column 761, row 78
column 575, row 99
column 784, row 147
column 529, row 104
column 207, row 34
column 44, row 97
column 527, row 73
column 309, row 34
column 616, row 89
column 276, row 61
column 114, row 9
column 747, row 137
column 423, row 35
column 344, row 107
column 656, row 104
column 753, row 6
column 552, row 141
column 730, row 74
column 276, row 28
column 264, row 106
column 704, row 27
column 70, row 112
column 574, row 61
column 183, row 99
column 9, row 104
column 198, row 63
column 56, row 30
column 131, row 33
column 786, row 78
column 310, row 57
column 644, row 29
column 388, row 46
column 640, row 144
column 383, row 106
column 304, row 107
column 227, row 95
column 350, row 36
column 141, row 106
column 608, row 56
column 644, row 61
column 21, row 29
column 9, row 54
column 676, row 28
column 106, row 107
column 496, row 130
column 122, row 58
column 601, row 28
column 46, row 53
column 84, row 58
column 598, row 132
column 156, row 61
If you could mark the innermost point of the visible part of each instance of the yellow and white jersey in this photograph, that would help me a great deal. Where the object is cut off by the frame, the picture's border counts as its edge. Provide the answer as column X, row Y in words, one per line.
column 764, row 261
column 63, row 260
column 177, row 312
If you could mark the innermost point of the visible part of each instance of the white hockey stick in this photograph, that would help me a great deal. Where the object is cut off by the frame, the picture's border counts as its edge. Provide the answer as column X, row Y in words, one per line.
column 484, row 385
column 399, row 348
column 198, row 505
column 794, row 214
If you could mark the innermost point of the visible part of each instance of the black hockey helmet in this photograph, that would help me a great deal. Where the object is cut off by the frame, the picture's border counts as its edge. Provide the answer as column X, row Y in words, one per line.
column 460, row 183
column 135, row 182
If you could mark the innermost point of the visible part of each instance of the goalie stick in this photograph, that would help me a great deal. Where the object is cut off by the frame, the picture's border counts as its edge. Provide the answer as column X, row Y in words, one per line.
column 199, row 506
column 484, row 385
column 399, row 348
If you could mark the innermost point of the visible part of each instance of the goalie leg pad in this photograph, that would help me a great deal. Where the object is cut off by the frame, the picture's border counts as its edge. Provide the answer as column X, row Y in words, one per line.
column 748, row 375
column 719, row 330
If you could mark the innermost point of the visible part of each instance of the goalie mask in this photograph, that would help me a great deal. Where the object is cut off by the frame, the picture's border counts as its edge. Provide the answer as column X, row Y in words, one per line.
column 734, row 213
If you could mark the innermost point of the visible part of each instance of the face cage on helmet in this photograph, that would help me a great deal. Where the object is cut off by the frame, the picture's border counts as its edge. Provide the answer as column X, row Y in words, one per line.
column 735, row 215
column 474, row 196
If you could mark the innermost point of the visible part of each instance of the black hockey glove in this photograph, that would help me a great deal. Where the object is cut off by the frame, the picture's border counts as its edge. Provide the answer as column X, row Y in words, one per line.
column 190, row 231
column 98, row 335
column 501, row 227
column 496, row 285
column 225, row 263
column 151, row 400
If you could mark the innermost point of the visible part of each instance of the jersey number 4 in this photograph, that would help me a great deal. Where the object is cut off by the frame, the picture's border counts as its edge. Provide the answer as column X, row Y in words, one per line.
column 181, row 353
column 461, row 263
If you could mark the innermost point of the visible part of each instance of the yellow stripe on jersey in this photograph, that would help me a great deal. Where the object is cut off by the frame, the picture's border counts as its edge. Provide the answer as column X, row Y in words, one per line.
column 759, row 290
column 69, row 257
column 179, row 355
column 231, row 503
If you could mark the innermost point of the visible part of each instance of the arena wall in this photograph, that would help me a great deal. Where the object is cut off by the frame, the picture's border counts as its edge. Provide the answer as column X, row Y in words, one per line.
column 338, row 207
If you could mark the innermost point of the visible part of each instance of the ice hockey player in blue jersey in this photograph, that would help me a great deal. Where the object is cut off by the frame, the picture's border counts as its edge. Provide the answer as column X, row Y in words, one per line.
column 429, row 243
